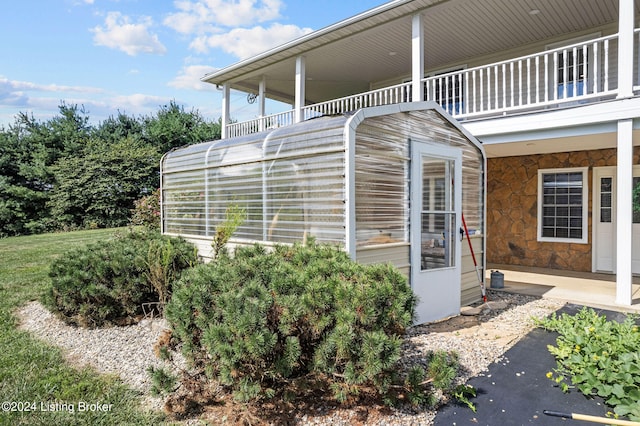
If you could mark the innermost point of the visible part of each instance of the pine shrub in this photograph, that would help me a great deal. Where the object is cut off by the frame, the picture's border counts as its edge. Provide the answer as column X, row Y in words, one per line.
column 109, row 282
column 259, row 319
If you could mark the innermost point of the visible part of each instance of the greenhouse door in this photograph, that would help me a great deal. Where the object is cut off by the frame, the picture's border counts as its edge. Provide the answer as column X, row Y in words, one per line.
column 436, row 200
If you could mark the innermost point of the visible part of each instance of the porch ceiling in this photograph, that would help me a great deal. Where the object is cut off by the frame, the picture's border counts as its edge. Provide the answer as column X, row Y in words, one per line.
column 347, row 57
column 582, row 141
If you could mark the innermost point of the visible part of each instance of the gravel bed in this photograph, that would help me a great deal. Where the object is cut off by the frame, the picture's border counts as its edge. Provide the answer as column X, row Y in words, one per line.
column 128, row 351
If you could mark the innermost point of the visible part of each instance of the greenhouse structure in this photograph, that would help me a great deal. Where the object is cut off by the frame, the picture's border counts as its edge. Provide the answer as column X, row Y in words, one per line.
column 401, row 184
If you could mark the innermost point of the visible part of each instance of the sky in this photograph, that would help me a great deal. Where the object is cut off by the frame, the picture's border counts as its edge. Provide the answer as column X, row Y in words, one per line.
column 134, row 56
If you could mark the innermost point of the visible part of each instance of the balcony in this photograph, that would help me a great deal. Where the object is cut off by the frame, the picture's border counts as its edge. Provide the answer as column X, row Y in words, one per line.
column 568, row 76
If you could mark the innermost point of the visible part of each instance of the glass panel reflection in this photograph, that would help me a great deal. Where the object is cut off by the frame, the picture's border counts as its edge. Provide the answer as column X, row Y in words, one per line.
column 437, row 218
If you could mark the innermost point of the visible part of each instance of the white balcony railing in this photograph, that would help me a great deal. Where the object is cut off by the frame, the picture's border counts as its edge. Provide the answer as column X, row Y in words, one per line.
column 387, row 96
column 259, row 124
column 575, row 74
column 571, row 74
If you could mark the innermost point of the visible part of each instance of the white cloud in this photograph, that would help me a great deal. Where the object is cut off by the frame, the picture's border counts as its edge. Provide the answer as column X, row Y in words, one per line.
column 16, row 86
column 197, row 17
column 244, row 43
column 138, row 101
column 43, row 100
column 132, row 38
column 189, row 78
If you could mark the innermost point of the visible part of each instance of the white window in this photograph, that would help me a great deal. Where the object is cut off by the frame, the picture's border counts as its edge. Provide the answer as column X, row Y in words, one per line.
column 563, row 205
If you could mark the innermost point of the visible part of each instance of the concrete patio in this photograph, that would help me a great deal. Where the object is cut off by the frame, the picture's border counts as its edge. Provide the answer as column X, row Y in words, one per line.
column 589, row 289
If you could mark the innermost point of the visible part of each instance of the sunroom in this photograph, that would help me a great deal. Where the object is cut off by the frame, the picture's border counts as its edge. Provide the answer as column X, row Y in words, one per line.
column 397, row 183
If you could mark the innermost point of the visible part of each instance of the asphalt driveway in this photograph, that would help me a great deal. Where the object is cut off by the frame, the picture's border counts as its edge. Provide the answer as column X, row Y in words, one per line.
column 516, row 391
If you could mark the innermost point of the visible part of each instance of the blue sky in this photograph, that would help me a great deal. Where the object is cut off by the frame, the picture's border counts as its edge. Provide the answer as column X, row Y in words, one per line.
column 133, row 56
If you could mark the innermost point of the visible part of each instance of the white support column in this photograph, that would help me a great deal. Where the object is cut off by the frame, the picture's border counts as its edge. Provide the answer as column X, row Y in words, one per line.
column 262, row 89
column 226, row 95
column 625, row 48
column 417, row 58
column 300, row 88
column 624, row 216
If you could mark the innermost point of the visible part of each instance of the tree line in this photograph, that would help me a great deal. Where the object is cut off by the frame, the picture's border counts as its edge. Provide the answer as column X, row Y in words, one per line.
column 65, row 173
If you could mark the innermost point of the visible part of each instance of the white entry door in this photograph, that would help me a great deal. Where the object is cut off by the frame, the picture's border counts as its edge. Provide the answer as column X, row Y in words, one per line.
column 604, row 221
column 436, row 203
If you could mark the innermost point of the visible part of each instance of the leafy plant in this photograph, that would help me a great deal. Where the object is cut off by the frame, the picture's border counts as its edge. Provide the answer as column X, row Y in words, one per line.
column 164, row 264
column 146, row 211
column 234, row 217
column 101, row 185
column 598, row 357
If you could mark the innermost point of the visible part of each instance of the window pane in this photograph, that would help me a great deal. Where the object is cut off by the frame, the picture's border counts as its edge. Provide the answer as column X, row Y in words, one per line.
column 575, row 233
column 438, row 246
column 562, row 205
column 575, row 211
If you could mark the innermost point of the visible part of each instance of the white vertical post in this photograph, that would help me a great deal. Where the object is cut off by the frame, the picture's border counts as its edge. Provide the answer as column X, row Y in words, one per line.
column 262, row 88
column 625, row 48
column 226, row 92
column 300, row 88
column 624, row 209
column 417, row 58
column 350, row 184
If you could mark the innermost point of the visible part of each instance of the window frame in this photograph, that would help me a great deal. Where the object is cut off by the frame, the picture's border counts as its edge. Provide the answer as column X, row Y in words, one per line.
column 585, row 205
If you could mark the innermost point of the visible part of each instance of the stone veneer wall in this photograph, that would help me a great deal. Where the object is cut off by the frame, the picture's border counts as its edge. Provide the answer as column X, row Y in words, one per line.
column 512, row 209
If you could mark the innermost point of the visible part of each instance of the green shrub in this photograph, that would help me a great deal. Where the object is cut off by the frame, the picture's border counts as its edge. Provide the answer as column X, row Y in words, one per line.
column 258, row 319
column 109, row 282
column 147, row 211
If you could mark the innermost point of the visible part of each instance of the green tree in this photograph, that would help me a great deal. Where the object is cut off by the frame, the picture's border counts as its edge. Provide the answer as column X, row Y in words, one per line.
column 100, row 187
column 115, row 129
column 173, row 127
column 28, row 149
column 79, row 165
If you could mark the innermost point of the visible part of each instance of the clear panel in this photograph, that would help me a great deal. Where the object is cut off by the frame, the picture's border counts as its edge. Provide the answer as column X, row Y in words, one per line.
column 290, row 182
column 382, row 182
column 239, row 185
column 183, row 203
column 438, row 218
column 306, row 199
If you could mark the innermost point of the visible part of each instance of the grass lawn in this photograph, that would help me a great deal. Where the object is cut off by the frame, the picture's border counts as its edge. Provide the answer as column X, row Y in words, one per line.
column 34, row 377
